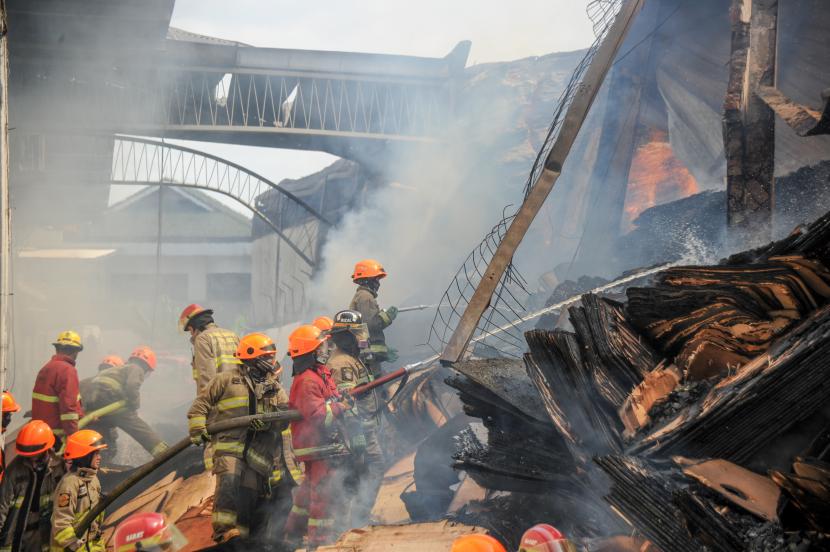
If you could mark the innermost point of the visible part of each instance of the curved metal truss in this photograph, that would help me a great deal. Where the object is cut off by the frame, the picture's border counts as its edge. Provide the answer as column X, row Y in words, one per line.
column 150, row 162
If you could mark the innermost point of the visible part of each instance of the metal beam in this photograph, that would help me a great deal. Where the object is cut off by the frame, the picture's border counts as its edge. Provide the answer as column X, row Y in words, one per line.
column 749, row 123
column 575, row 116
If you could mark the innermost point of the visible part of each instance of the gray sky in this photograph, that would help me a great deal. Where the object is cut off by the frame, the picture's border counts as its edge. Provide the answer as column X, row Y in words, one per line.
column 499, row 31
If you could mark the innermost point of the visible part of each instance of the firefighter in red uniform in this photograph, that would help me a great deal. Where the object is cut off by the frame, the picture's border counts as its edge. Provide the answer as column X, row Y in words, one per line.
column 314, row 394
column 56, row 396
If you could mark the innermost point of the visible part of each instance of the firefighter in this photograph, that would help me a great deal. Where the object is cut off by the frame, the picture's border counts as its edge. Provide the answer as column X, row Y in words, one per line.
column 244, row 458
column 78, row 492
column 10, row 406
column 56, row 397
column 123, row 383
column 367, row 275
column 213, row 347
column 313, row 392
column 350, row 336
column 477, row 542
column 110, row 361
column 26, row 494
column 545, row 538
column 323, row 322
column 147, row 532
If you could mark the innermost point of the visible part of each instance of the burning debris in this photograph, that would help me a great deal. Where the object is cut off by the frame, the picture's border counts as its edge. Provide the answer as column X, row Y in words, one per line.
column 694, row 413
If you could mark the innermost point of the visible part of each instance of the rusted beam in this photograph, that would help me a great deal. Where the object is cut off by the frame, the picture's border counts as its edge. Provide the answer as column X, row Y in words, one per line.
column 748, row 123
column 571, row 124
column 804, row 120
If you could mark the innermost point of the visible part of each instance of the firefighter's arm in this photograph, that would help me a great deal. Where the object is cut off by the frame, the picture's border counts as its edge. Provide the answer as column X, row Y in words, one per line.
column 314, row 405
column 204, row 360
column 376, row 319
column 135, row 377
column 197, row 415
column 7, row 496
column 282, row 404
column 63, row 514
column 69, row 401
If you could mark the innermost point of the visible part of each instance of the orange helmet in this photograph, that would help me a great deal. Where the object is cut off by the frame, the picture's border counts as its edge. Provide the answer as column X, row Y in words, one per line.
column 83, row 442
column 9, row 404
column 111, row 361
column 545, row 538
column 34, row 438
column 323, row 322
column 146, row 354
column 188, row 313
column 305, row 339
column 147, row 531
column 255, row 345
column 368, row 268
column 477, row 542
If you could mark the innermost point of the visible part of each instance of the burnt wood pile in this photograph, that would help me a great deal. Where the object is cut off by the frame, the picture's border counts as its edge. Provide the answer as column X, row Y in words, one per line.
column 696, row 413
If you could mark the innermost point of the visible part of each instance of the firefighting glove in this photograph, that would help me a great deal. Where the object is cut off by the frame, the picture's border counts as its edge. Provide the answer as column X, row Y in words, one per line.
column 258, row 425
column 199, row 437
column 392, row 313
column 391, row 355
column 348, row 400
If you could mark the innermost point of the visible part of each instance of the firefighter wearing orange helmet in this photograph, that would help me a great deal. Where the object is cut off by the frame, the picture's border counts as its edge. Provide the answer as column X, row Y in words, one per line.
column 246, row 461
column 110, row 361
column 367, row 275
column 320, row 499
column 477, row 542
column 10, row 406
column 350, row 337
column 78, row 492
column 213, row 347
column 123, row 383
column 26, row 493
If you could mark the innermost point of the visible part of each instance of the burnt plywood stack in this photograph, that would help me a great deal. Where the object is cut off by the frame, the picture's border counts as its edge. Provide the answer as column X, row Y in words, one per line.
column 667, row 406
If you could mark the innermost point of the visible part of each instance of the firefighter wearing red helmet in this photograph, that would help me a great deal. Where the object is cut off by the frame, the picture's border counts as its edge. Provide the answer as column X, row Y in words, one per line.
column 367, row 275
column 213, row 347
column 26, row 493
column 313, row 392
column 247, row 461
column 78, row 492
column 123, row 383
column 147, row 532
column 545, row 538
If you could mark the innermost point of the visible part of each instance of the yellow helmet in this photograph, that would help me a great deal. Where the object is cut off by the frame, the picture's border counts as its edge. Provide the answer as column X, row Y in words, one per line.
column 69, row 339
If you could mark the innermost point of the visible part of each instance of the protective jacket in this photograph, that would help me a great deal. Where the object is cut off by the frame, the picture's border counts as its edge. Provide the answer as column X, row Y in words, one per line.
column 231, row 395
column 213, row 353
column 348, row 372
column 26, row 504
column 56, row 398
column 365, row 302
column 77, row 493
column 120, row 383
column 315, row 395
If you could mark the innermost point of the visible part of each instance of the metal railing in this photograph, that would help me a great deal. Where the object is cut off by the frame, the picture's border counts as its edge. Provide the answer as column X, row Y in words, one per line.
column 151, row 162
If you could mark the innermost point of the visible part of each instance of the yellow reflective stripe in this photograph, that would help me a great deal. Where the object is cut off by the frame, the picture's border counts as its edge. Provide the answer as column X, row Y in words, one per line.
column 18, row 502
column 232, row 402
column 109, row 382
column 276, row 476
column 378, row 348
column 65, row 536
column 286, row 432
column 257, row 459
column 162, row 446
column 209, row 462
column 45, row 500
column 6, row 548
column 224, row 518
column 44, row 398
column 329, row 415
column 331, row 449
column 229, row 447
column 384, row 316
column 322, row 522
column 69, row 416
column 297, row 475
column 299, row 511
column 227, row 359
column 196, row 421
column 58, row 431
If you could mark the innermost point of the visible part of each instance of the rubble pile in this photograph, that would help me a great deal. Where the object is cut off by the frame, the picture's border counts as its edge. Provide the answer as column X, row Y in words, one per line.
column 695, row 413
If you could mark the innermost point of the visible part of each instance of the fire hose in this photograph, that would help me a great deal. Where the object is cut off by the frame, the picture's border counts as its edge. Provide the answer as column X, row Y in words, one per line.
column 96, row 415
column 243, row 421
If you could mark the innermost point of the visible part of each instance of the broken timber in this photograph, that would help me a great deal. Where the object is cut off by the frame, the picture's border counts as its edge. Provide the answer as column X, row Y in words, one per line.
column 805, row 121
column 575, row 116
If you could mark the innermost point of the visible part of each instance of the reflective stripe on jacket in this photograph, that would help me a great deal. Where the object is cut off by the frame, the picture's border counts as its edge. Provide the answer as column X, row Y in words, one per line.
column 115, row 384
column 77, row 493
column 365, row 302
column 315, row 395
column 231, row 395
column 56, row 398
column 349, row 372
column 16, row 501
column 213, row 353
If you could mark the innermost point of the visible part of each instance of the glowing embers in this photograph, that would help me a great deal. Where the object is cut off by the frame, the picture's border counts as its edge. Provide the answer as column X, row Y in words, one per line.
column 656, row 176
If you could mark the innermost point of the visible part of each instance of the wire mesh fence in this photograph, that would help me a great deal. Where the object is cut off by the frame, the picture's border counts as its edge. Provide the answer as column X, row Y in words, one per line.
column 498, row 333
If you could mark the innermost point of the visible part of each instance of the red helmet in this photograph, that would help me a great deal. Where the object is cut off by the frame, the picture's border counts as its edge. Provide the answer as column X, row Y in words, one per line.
column 146, row 354
column 111, row 361
column 34, row 438
column 545, row 538
column 147, row 531
column 188, row 313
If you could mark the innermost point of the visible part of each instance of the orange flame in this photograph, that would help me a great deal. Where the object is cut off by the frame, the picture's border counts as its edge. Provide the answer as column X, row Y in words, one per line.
column 656, row 177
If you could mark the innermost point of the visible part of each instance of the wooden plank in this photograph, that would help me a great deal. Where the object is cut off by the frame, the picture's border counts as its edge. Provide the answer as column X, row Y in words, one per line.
column 571, row 124
column 417, row 537
column 804, row 120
